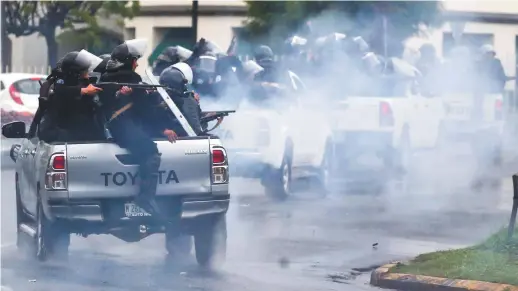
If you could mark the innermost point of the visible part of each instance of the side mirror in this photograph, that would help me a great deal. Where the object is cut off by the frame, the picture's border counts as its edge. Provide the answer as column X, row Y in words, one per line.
column 14, row 130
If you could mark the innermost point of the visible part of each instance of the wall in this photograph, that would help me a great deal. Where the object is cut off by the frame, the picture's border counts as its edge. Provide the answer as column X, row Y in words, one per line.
column 216, row 28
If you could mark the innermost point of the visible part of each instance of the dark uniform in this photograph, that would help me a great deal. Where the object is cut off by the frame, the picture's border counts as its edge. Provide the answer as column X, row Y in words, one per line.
column 176, row 82
column 124, row 112
column 70, row 114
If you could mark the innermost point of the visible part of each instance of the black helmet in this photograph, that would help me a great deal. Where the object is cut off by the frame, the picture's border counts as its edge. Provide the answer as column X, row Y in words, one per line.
column 263, row 52
column 124, row 54
column 72, row 64
column 174, row 79
column 78, row 62
column 101, row 68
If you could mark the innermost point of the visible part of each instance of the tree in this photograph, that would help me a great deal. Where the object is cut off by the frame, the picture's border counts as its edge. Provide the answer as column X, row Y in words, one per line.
column 280, row 19
column 23, row 18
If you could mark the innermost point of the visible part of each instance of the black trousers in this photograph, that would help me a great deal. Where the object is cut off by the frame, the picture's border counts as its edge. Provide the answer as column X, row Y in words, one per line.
column 131, row 136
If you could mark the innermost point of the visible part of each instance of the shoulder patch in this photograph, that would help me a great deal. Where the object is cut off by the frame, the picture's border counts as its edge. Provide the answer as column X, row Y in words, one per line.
column 60, row 81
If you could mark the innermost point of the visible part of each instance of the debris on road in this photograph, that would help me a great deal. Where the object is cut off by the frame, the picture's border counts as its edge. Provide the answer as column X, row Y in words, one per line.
column 343, row 277
column 284, row 262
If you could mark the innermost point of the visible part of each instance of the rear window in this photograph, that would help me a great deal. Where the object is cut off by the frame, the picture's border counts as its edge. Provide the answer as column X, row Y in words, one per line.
column 28, row 86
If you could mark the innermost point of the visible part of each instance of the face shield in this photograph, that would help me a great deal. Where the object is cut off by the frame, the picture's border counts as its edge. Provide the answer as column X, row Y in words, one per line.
column 186, row 70
column 207, row 64
column 183, row 53
column 136, row 47
column 88, row 60
column 251, row 68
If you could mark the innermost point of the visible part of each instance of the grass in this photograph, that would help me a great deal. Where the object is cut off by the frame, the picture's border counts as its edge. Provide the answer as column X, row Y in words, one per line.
column 494, row 260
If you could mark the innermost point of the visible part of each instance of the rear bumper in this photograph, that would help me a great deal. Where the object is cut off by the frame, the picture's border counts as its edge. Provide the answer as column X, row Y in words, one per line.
column 112, row 210
column 461, row 130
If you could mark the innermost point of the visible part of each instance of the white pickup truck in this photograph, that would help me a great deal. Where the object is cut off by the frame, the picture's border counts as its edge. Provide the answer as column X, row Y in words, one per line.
column 478, row 123
column 281, row 144
column 380, row 132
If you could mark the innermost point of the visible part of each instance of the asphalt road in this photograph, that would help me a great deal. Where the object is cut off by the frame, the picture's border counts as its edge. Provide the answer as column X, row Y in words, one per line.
column 305, row 243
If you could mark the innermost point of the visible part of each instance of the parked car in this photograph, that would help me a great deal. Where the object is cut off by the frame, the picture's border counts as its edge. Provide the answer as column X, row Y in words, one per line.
column 19, row 96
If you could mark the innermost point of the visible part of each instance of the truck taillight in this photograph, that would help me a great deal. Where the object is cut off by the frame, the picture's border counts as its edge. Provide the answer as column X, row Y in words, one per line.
column 56, row 173
column 219, row 165
column 499, row 104
column 385, row 114
column 58, row 163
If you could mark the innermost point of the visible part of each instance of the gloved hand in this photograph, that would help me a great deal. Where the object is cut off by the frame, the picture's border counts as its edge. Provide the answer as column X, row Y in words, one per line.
column 90, row 90
column 125, row 90
column 171, row 135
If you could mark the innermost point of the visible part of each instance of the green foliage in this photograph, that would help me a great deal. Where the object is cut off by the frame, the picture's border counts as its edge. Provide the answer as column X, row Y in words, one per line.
column 495, row 260
column 24, row 18
column 279, row 19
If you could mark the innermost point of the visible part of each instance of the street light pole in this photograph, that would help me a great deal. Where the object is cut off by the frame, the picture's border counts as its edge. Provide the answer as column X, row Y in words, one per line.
column 512, row 221
column 194, row 24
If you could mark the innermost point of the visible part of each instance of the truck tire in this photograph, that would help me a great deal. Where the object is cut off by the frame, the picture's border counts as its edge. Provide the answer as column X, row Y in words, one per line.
column 278, row 181
column 178, row 246
column 326, row 170
column 403, row 163
column 210, row 241
column 23, row 241
column 51, row 241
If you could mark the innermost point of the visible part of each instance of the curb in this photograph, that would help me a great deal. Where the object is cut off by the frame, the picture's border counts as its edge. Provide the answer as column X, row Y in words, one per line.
column 381, row 277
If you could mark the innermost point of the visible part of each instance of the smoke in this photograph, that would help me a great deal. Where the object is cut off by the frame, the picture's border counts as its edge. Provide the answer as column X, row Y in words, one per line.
column 454, row 135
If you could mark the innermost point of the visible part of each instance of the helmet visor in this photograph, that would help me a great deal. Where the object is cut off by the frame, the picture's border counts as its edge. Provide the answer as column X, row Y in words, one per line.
column 186, row 71
column 136, row 47
column 207, row 64
column 87, row 60
column 183, row 53
column 250, row 68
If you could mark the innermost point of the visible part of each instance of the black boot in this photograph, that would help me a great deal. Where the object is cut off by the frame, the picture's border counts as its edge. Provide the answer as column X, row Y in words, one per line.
column 148, row 184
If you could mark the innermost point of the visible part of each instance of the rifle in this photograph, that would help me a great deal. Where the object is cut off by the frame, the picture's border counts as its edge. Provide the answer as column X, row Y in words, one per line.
column 213, row 115
column 130, row 85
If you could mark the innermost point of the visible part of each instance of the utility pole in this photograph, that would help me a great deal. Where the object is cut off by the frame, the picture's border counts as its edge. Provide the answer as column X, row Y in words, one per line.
column 194, row 24
column 6, row 42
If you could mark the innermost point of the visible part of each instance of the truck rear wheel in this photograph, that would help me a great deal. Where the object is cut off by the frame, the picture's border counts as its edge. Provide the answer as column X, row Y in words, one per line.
column 210, row 241
column 277, row 183
column 51, row 241
column 178, row 246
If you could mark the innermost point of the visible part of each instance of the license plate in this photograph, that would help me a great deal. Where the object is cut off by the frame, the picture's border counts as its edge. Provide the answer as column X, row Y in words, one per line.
column 132, row 210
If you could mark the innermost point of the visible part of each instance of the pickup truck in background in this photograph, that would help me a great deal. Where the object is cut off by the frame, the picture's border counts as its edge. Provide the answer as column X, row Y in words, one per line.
column 375, row 135
column 480, row 123
column 282, row 143
column 88, row 188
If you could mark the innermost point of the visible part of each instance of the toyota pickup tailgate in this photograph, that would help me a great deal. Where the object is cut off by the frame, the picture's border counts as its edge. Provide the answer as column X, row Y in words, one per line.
column 357, row 113
column 104, row 170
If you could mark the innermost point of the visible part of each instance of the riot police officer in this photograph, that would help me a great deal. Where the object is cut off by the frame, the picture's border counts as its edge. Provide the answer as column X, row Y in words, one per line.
column 121, row 107
column 176, row 78
column 70, row 111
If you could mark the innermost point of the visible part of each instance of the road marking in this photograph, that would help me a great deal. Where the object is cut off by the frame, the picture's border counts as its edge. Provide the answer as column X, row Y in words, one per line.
column 5, row 288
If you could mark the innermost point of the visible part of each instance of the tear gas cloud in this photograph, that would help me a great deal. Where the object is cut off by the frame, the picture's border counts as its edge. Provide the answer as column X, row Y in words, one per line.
column 347, row 100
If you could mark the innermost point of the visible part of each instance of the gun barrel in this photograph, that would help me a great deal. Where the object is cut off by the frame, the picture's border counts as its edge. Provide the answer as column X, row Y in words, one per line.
column 141, row 86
